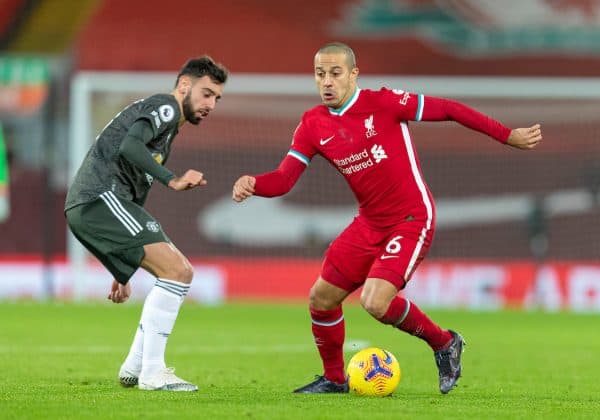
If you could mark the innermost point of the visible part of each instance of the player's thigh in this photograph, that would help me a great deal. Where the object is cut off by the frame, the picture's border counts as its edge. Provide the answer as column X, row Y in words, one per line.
column 401, row 253
column 115, row 231
column 349, row 257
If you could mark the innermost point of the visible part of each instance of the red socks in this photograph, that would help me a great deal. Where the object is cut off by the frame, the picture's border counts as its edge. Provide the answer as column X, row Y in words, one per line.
column 406, row 316
column 329, row 331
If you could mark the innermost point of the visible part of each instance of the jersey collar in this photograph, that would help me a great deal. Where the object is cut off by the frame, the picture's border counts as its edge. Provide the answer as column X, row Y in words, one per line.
column 347, row 105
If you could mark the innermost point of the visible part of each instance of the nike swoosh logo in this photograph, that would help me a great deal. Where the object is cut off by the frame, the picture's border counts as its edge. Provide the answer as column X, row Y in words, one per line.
column 327, row 140
column 385, row 257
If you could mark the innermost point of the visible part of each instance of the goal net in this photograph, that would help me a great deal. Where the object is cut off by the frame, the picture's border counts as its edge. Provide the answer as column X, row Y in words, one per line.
column 492, row 202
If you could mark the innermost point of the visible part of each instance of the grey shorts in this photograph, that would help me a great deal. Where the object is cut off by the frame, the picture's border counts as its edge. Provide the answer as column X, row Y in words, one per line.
column 115, row 231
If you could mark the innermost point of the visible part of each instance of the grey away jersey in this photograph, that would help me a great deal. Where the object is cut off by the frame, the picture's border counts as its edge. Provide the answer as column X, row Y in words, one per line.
column 104, row 170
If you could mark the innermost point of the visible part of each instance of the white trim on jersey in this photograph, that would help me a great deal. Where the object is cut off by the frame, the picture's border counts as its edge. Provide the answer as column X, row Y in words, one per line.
column 424, row 195
column 117, row 209
column 299, row 156
column 420, row 106
column 347, row 105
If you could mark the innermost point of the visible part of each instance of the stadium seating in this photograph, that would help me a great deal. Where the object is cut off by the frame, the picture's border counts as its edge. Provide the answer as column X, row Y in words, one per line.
column 49, row 28
column 270, row 29
column 10, row 10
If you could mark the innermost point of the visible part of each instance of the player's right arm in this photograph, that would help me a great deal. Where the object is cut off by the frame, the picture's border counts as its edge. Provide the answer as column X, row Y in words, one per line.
column 270, row 184
column 281, row 180
column 133, row 149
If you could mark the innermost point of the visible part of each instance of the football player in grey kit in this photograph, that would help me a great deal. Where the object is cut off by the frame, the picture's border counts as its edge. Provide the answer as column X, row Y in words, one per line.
column 104, row 210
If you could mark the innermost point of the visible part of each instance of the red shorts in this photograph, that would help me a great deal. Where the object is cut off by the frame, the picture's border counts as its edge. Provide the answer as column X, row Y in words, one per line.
column 361, row 252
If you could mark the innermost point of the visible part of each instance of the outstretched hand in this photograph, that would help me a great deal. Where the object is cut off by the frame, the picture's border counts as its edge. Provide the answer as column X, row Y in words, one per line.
column 243, row 188
column 189, row 180
column 119, row 293
column 525, row 138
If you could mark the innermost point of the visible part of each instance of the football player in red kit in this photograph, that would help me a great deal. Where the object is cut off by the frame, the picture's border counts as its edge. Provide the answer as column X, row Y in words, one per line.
column 364, row 134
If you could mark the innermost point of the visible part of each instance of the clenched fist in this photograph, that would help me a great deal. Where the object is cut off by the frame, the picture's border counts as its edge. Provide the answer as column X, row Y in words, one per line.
column 243, row 188
column 189, row 180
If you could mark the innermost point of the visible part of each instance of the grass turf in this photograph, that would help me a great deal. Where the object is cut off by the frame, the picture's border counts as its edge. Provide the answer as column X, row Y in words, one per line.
column 61, row 361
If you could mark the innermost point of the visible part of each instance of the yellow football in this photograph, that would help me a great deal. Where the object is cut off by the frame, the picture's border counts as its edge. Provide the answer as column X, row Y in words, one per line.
column 373, row 372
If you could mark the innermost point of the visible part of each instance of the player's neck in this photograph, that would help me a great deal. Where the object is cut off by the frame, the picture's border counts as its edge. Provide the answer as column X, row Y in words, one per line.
column 347, row 103
column 179, row 99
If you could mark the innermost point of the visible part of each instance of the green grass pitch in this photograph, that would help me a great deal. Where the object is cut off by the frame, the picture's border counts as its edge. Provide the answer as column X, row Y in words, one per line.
column 61, row 361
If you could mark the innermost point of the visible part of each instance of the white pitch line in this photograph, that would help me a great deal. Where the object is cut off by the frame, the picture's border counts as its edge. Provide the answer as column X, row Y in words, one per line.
column 300, row 348
column 350, row 346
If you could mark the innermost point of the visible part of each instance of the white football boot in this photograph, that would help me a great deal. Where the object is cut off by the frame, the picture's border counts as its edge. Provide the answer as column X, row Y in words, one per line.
column 165, row 380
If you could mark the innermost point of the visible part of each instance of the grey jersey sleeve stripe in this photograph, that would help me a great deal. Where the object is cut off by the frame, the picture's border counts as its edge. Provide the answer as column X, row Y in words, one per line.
column 121, row 215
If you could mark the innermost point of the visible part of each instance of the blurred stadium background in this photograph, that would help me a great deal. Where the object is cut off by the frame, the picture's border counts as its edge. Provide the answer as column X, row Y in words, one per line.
column 515, row 229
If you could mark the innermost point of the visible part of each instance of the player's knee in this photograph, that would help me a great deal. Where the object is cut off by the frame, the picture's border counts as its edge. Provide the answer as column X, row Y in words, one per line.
column 188, row 272
column 376, row 307
column 183, row 273
column 315, row 300
column 320, row 301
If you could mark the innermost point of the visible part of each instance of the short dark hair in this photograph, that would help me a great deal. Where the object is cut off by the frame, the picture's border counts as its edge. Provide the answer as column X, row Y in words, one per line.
column 204, row 66
column 339, row 47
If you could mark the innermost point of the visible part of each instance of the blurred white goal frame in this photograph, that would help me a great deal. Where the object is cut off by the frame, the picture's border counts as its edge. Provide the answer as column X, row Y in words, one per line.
column 85, row 84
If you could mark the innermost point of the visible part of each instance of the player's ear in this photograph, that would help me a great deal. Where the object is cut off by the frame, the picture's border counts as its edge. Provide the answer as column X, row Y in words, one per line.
column 184, row 85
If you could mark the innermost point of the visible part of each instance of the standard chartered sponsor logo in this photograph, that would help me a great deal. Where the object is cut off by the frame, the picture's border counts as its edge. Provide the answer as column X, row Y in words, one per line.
column 356, row 162
column 352, row 158
column 378, row 153
column 356, row 168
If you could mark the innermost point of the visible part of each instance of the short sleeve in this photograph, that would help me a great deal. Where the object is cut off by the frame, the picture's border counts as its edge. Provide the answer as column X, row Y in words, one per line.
column 302, row 143
column 162, row 116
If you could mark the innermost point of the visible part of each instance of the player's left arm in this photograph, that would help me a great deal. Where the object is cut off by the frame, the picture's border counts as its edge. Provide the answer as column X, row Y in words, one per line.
column 133, row 149
column 440, row 109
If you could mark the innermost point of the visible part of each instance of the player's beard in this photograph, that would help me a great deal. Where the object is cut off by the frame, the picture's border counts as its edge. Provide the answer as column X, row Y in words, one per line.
column 188, row 111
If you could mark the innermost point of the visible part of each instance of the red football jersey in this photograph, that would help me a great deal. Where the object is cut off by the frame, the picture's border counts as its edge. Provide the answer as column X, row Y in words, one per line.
column 368, row 141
